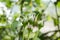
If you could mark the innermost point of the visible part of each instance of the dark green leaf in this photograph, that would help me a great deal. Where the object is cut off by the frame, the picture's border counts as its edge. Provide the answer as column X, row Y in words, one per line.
column 55, row 21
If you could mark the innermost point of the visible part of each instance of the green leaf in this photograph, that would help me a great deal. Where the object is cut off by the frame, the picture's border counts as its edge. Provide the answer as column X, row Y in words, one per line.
column 3, row 18
column 59, row 39
column 40, row 25
column 7, row 37
column 24, row 23
column 1, row 0
column 16, row 15
column 14, row 25
column 31, row 35
column 49, row 18
column 38, row 15
column 55, row 21
column 58, row 4
column 8, row 3
column 37, row 2
column 36, row 38
column 32, row 22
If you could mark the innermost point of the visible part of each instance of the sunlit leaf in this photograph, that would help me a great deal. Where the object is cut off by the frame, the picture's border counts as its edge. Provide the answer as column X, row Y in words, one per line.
column 58, row 4
column 1, row 0
column 37, row 1
column 31, row 35
column 7, row 37
column 8, row 3
column 16, row 15
column 49, row 17
column 59, row 39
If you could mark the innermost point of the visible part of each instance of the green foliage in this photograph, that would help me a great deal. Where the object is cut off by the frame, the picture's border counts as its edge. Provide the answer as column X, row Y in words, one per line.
column 28, row 2
column 8, row 3
column 58, row 4
column 38, row 2
column 24, row 28
column 56, row 22
column 1, row 0
column 6, row 38
column 3, row 18
column 14, row 24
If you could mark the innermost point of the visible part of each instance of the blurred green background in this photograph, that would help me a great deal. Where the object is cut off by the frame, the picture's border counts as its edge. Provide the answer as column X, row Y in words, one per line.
column 29, row 19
